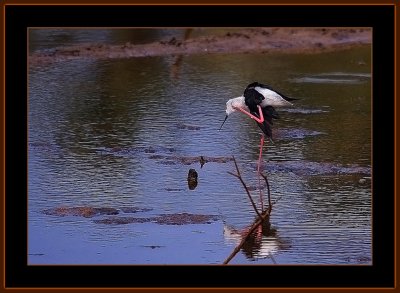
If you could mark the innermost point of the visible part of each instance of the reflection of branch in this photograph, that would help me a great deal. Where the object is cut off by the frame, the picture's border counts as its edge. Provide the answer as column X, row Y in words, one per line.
column 258, row 222
column 273, row 259
column 264, row 216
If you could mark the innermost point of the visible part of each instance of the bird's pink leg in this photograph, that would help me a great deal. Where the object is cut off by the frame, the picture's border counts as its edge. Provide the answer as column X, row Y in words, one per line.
column 259, row 120
column 259, row 172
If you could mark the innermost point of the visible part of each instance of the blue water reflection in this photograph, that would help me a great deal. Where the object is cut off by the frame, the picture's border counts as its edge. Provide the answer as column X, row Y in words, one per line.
column 124, row 133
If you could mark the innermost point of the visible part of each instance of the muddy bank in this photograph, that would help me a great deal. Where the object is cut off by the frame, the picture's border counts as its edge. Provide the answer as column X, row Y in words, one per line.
column 265, row 40
column 89, row 212
column 165, row 219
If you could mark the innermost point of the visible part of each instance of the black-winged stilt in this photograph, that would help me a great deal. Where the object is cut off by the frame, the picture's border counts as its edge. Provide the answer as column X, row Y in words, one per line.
column 258, row 102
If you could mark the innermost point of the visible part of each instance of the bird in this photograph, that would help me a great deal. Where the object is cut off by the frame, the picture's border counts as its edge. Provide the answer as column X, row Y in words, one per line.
column 258, row 102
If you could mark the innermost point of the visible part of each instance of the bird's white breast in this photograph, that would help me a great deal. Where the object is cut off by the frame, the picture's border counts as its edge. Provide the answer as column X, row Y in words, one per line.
column 272, row 98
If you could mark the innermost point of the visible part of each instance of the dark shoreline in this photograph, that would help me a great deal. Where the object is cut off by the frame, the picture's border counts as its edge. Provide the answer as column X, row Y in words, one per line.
column 261, row 40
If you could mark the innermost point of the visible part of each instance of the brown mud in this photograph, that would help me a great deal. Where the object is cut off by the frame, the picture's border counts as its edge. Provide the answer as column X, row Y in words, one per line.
column 89, row 212
column 117, row 219
column 167, row 219
column 86, row 212
column 247, row 40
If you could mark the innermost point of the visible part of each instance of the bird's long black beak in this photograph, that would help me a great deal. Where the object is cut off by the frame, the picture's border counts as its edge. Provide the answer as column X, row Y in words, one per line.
column 226, row 117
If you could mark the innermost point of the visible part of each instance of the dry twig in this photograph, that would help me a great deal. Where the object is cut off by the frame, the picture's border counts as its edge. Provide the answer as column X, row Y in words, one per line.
column 245, row 187
column 264, row 216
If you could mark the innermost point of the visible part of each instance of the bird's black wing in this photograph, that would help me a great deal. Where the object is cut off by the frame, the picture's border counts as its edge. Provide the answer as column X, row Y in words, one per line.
column 252, row 99
column 257, row 84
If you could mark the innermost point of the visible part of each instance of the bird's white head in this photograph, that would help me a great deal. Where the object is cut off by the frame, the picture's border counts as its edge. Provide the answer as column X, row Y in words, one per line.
column 232, row 105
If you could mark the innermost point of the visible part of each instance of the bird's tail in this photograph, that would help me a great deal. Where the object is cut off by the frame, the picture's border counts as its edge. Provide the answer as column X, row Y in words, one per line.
column 289, row 99
column 292, row 99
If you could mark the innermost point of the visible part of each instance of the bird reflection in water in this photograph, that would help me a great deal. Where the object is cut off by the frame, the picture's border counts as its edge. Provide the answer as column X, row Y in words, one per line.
column 264, row 242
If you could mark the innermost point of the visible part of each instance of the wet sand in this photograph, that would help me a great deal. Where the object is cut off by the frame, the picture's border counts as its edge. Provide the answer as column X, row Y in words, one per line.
column 250, row 40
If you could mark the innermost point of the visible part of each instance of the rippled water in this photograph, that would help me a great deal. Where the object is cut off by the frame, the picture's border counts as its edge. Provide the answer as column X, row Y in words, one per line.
column 124, row 134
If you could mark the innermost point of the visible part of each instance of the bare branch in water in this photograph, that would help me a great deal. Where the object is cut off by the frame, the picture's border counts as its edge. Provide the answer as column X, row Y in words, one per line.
column 245, row 187
column 264, row 216
column 258, row 222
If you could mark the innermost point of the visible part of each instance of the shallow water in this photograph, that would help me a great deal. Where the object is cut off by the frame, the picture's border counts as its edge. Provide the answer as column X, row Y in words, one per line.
column 125, row 133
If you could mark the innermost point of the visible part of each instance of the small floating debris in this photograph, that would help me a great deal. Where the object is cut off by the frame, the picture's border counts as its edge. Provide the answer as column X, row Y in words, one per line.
column 192, row 179
column 152, row 246
column 192, row 174
column 202, row 161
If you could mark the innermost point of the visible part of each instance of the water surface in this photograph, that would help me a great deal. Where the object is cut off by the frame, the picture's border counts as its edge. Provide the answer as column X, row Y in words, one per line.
column 123, row 133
